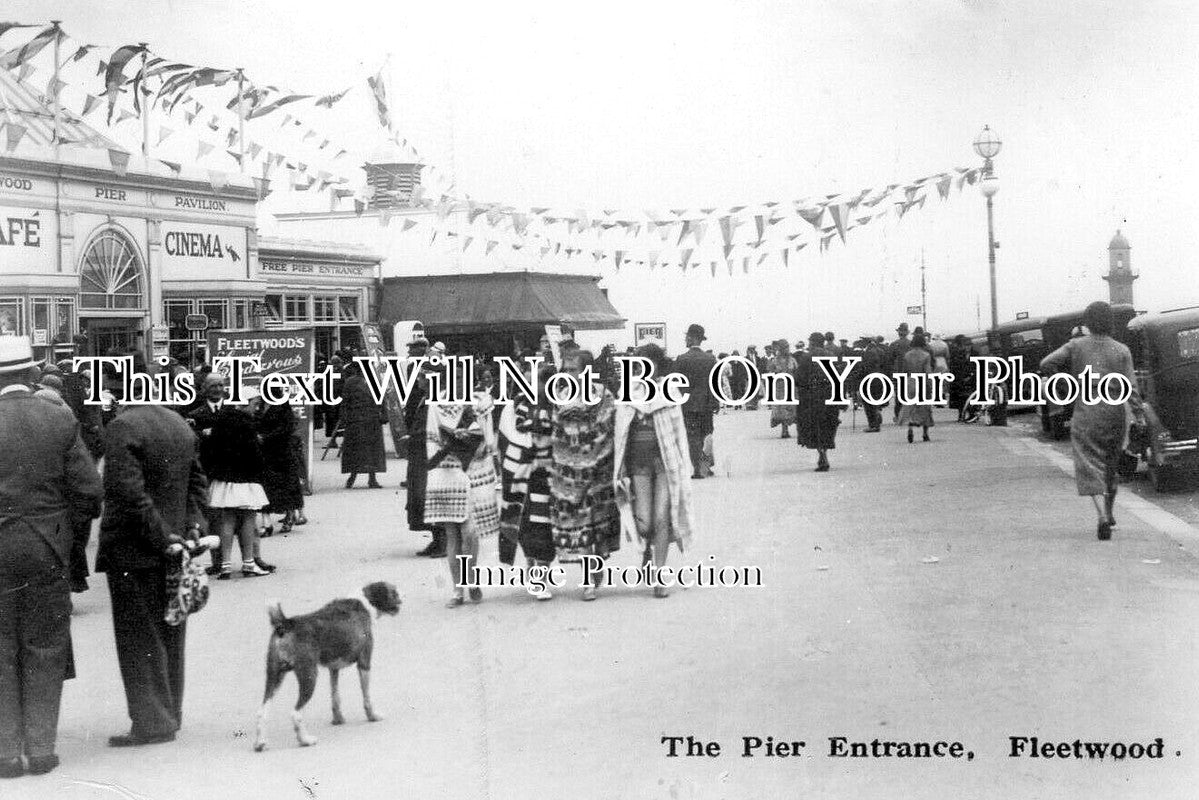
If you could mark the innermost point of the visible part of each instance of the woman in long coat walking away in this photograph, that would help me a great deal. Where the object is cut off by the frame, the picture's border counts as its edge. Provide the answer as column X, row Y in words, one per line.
column 362, row 442
column 1097, row 432
column 815, row 421
column 916, row 362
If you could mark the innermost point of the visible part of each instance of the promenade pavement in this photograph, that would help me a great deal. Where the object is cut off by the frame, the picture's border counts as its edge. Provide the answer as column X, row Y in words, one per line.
column 950, row 591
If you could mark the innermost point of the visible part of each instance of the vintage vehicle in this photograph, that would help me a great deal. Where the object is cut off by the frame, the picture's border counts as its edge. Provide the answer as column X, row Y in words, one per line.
column 1022, row 338
column 1055, row 332
column 1165, row 354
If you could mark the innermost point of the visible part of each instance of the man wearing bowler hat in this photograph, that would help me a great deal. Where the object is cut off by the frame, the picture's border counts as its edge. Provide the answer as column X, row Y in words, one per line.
column 701, row 406
column 895, row 353
column 48, row 484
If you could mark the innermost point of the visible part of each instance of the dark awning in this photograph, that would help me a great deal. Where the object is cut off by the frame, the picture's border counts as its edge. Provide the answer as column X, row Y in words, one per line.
column 498, row 301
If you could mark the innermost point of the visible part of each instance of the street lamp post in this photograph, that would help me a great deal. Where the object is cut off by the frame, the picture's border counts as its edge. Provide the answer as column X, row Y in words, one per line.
column 987, row 145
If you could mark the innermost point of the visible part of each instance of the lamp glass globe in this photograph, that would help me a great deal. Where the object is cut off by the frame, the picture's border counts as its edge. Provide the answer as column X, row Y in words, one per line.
column 987, row 143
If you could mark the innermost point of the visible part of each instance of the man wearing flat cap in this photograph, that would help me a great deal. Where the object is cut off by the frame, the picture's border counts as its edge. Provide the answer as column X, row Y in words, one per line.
column 701, row 406
column 48, row 482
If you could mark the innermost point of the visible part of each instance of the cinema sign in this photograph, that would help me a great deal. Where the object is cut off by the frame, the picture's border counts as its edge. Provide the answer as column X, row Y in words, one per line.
column 203, row 252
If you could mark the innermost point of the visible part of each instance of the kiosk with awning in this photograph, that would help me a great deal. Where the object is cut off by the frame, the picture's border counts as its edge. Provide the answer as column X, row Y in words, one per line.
column 498, row 313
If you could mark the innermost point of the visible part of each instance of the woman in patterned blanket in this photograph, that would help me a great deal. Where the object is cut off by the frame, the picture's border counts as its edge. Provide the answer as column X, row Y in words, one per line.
column 461, row 492
column 583, row 511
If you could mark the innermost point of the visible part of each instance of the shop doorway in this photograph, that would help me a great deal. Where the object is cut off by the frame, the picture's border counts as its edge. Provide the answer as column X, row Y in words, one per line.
column 105, row 334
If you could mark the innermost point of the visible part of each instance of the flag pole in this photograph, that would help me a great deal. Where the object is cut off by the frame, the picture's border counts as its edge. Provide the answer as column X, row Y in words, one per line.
column 241, row 122
column 57, row 90
column 145, row 105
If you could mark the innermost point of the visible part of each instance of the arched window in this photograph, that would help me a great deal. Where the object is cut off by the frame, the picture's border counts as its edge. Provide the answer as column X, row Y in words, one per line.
column 110, row 276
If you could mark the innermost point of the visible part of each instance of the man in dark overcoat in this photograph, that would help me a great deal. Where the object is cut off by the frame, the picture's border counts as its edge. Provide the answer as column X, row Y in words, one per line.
column 48, row 484
column 154, row 496
column 701, row 405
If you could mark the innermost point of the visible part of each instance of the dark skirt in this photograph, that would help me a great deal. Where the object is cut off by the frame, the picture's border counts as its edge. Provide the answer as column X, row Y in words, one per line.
column 281, row 476
column 816, row 424
column 362, row 446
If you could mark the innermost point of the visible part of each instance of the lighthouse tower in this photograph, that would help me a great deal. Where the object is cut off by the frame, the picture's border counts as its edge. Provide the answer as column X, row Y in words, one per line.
column 1120, row 274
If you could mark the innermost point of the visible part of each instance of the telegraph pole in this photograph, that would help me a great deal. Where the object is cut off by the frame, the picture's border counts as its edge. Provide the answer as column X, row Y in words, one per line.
column 923, row 295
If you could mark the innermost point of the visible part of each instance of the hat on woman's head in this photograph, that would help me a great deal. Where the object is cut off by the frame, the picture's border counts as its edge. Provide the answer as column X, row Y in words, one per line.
column 16, row 354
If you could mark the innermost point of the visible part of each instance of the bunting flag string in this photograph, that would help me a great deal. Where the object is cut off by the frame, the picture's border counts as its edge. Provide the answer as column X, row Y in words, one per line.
column 776, row 227
column 15, row 58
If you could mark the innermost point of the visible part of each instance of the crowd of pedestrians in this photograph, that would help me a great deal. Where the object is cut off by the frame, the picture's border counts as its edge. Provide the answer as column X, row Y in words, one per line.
column 557, row 481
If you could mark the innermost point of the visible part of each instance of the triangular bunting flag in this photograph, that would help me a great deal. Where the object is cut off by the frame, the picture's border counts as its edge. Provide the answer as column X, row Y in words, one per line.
column 202, row 149
column 89, row 105
column 14, row 133
column 163, row 133
column 812, row 215
column 409, row 224
column 684, row 229
column 172, row 166
column 217, row 179
column 837, row 211
column 53, row 87
column 119, row 160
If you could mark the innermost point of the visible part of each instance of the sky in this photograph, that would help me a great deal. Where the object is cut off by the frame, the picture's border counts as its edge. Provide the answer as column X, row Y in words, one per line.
column 665, row 105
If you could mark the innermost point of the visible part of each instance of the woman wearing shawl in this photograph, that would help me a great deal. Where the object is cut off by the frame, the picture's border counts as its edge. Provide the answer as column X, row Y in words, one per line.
column 652, row 469
column 526, row 438
column 583, row 510
column 782, row 362
column 460, row 493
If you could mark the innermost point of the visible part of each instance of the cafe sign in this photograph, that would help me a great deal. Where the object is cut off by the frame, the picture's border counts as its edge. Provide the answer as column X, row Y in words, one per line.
column 27, row 239
column 203, row 252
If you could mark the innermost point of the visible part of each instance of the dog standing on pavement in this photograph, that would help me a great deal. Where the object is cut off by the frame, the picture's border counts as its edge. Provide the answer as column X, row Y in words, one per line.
column 334, row 636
